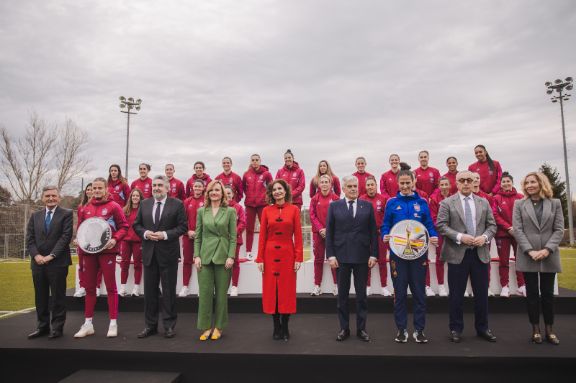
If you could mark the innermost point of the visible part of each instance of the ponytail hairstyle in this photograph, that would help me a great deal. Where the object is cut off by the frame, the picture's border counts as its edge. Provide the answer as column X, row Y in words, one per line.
column 488, row 158
column 289, row 152
column 507, row 175
column 404, row 166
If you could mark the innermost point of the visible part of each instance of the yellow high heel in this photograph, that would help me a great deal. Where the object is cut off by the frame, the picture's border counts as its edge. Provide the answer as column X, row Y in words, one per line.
column 205, row 335
column 216, row 334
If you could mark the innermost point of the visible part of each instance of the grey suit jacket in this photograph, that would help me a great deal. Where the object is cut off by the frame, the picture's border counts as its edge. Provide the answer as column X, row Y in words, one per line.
column 531, row 235
column 451, row 222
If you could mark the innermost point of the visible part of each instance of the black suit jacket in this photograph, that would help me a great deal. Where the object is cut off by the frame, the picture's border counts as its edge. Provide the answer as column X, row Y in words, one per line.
column 173, row 221
column 351, row 240
column 56, row 241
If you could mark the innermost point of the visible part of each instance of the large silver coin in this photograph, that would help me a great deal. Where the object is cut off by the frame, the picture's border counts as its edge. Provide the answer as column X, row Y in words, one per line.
column 409, row 239
column 93, row 234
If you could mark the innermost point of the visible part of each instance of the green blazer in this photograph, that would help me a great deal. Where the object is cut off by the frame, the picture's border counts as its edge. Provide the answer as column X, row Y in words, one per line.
column 215, row 236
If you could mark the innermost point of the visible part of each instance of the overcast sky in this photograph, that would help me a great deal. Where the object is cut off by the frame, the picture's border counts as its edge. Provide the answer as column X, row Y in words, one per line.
column 329, row 79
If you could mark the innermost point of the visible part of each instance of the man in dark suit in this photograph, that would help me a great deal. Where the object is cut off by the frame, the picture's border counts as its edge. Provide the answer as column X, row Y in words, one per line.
column 352, row 247
column 160, row 223
column 48, row 239
column 467, row 224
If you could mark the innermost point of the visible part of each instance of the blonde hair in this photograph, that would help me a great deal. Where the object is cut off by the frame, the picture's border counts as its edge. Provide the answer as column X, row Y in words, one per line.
column 329, row 172
column 545, row 187
column 223, row 200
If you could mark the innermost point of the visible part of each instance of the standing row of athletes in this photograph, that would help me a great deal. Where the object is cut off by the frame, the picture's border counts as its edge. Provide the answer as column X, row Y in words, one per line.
column 490, row 183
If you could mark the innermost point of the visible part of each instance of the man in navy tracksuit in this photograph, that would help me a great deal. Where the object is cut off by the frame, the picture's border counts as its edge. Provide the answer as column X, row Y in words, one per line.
column 408, row 205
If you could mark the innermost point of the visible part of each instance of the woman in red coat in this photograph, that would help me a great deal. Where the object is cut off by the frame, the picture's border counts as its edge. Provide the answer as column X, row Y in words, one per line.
column 502, row 207
column 118, row 189
column 294, row 176
column 324, row 168
column 440, row 194
column 490, row 171
column 318, row 213
column 240, row 226
column 131, row 246
column 280, row 254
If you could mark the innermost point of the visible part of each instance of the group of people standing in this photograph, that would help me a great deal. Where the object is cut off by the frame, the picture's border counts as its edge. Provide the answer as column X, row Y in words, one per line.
column 152, row 219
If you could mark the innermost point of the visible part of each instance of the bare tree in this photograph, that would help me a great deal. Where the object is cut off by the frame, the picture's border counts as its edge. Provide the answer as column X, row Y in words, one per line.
column 28, row 162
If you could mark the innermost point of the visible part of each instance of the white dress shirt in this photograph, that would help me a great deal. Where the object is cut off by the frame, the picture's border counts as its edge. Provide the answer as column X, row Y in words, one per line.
column 354, row 205
column 154, row 207
column 472, row 209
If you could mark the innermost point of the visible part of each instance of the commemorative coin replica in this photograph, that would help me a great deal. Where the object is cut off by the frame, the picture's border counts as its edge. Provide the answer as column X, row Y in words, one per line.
column 93, row 234
column 409, row 239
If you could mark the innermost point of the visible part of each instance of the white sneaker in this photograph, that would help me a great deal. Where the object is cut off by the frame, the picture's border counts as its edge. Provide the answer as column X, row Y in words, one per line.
column 234, row 291
column 385, row 292
column 316, row 290
column 136, row 291
column 466, row 294
column 80, row 292
column 521, row 291
column 368, row 291
column 122, row 291
column 442, row 291
column 183, row 291
column 430, row 292
column 505, row 292
column 335, row 290
column 98, row 291
column 408, row 291
column 85, row 330
column 112, row 331
column 249, row 256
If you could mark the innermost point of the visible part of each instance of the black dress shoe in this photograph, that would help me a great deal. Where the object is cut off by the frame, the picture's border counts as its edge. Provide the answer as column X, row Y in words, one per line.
column 455, row 337
column 487, row 335
column 147, row 332
column 363, row 335
column 169, row 333
column 343, row 335
column 552, row 339
column 38, row 333
column 55, row 334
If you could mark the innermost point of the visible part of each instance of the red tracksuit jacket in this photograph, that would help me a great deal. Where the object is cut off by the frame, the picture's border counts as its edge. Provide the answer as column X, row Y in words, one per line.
column 434, row 204
column 427, row 179
column 190, row 183
column 131, row 234
column 489, row 179
column 319, row 210
column 502, row 207
column 361, row 181
column 379, row 204
column 254, row 183
column 294, row 176
column 452, row 178
column 111, row 212
column 191, row 206
column 240, row 221
column 335, row 187
column 235, row 181
column 118, row 192
column 177, row 189
column 144, row 186
column 389, row 183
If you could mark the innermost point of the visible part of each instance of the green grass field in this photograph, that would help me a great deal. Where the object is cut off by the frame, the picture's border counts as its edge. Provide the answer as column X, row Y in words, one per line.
column 18, row 291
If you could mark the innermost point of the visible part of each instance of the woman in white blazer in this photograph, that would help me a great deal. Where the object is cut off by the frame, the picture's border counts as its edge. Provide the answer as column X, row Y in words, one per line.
column 538, row 226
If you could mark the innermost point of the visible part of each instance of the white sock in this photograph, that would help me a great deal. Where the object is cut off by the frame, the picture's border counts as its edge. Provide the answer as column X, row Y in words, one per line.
column 88, row 321
column 112, row 322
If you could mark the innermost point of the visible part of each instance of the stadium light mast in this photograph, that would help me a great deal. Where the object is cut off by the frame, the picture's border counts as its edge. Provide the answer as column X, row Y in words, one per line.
column 128, row 106
column 559, row 87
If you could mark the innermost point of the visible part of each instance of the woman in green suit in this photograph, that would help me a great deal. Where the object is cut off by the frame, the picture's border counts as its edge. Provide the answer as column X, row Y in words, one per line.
column 214, row 253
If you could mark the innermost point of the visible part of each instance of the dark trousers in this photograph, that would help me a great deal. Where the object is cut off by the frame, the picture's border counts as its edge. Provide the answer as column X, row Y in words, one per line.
column 540, row 295
column 50, row 296
column 409, row 273
column 153, row 302
column 360, row 271
column 474, row 268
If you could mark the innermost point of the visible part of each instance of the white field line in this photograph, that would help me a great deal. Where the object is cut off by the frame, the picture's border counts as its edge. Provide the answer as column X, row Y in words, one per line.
column 11, row 313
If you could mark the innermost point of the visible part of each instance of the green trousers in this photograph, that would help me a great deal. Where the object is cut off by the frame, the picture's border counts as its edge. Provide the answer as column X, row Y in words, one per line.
column 213, row 281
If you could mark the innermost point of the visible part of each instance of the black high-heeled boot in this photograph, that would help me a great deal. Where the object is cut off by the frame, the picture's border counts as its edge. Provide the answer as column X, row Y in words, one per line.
column 277, row 334
column 285, row 331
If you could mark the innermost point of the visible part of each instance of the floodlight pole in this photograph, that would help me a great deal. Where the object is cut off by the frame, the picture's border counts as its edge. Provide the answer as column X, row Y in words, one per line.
column 127, row 105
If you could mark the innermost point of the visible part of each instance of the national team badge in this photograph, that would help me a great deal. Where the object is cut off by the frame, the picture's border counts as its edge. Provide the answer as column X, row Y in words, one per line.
column 416, row 207
column 104, row 211
column 409, row 239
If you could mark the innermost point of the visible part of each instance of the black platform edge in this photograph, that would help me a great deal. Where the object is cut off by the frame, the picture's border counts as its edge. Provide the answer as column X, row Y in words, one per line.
column 117, row 376
column 255, row 368
column 324, row 304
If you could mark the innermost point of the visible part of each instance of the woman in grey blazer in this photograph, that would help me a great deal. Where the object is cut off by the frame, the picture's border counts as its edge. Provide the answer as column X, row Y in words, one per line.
column 538, row 226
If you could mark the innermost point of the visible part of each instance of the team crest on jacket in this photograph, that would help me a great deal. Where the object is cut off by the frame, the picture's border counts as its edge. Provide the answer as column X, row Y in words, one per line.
column 416, row 207
column 104, row 211
column 117, row 187
column 398, row 207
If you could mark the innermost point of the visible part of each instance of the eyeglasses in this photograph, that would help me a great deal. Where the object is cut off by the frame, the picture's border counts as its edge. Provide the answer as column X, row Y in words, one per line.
column 465, row 180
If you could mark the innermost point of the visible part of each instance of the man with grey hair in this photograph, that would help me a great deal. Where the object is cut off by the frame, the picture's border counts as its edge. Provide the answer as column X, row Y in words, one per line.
column 48, row 237
column 467, row 224
column 160, row 223
column 351, row 247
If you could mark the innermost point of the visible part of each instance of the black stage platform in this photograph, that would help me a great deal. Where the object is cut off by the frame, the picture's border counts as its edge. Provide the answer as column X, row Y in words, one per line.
column 247, row 353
